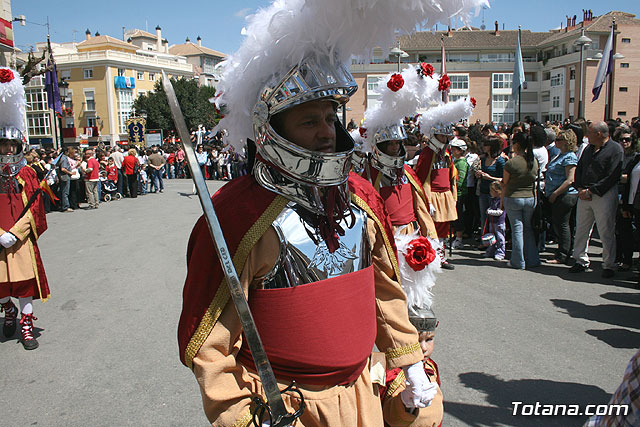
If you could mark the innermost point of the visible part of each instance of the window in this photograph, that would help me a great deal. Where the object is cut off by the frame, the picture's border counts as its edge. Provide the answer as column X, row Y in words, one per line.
column 36, row 100
column 209, row 65
column 372, row 84
column 152, row 76
column 546, row 75
column 453, row 98
column 624, row 89
column 90, row 103
column 140, row 75
column 624, row 65
column 501, row 102
column 555, row 103
column 502, row 81
column 531, row 77
column 497, row 57
column 120, row 72
column 622, row 113
column 626, row 40
column 545, row 96
column 572, row 100
column 555, row 117
column 557, row 80
column 92, row 122
column 88, row 73
column 459, row 81
column 572, row 74
column 66, row 74
column 503, row 117
column 125, row 105
column 39, row 124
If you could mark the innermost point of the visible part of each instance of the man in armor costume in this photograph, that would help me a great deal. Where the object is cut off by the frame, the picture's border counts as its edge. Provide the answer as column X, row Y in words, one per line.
column 435, row 167
column 22, row 216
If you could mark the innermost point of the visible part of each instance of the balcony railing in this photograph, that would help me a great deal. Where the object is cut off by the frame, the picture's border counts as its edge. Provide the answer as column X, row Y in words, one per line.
column 132, row 58
column 68, row 132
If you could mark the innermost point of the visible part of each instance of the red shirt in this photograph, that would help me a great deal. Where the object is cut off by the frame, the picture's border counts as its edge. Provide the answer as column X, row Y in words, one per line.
column 112, row 173
column 93, row 164
column 128, row 163
column 171, row 158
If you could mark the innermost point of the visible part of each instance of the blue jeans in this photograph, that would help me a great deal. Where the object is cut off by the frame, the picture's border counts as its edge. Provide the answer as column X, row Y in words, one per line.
column 64, row 194
column 156, row 180
column 524, row 252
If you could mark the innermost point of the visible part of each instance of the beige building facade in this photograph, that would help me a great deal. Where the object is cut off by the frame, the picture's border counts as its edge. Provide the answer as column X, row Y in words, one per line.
column 480, row 64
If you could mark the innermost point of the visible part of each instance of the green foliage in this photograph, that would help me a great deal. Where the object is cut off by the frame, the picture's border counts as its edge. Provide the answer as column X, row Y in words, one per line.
column 193, row 100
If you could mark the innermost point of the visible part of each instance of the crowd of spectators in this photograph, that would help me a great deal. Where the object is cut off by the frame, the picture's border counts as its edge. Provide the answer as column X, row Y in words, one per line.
column 553, row 182
column 98, row 174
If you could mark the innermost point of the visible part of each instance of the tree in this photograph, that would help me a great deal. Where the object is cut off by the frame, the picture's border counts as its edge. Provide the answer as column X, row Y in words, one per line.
column 193, row 100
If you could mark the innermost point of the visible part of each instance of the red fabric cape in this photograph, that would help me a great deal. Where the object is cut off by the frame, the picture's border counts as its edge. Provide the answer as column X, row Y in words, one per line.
column 239, row 204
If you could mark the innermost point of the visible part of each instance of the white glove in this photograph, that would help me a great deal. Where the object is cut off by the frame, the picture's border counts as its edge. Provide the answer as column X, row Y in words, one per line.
column 7, row 240
column 432, row 210
column 419, row 391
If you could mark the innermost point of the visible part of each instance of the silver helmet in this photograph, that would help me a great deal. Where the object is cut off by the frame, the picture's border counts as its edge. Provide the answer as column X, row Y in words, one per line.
column 392, row 167
column 287, row 168
column 10, row 164
column 423, row 319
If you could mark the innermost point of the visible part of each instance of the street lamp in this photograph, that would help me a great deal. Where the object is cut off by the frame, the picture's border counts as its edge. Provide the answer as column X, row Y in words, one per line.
column 582, row 42
column 400, row 53
column 63, row 89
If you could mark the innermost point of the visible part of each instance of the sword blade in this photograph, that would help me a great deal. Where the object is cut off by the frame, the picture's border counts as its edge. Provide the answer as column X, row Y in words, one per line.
column 235, row 288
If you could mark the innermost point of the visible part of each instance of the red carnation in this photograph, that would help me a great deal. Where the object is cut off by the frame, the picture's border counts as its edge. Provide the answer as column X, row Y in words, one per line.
column 473, row 102
column 6, row 75
column 426, row 69
column 444, row 83
column 363, row 132
column 420, row 253
column 396, row 82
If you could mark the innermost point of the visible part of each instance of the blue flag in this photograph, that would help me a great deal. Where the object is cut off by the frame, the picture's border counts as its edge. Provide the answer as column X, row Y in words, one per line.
column 51, row 84
column 605, row 67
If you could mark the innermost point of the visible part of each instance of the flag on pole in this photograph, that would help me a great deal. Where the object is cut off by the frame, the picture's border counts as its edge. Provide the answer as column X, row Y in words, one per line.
column 443, row 71
column 51, row 84
column 605, row 67
column 518, row 72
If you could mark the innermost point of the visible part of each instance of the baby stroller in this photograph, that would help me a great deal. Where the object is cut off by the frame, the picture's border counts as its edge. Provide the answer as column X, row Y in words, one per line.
column 109, row 190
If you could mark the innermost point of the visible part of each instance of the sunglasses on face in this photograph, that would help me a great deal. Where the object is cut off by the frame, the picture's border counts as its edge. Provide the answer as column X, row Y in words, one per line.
column 625, row 139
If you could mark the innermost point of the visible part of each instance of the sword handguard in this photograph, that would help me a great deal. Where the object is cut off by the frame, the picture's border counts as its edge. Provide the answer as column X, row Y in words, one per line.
column 287, row 420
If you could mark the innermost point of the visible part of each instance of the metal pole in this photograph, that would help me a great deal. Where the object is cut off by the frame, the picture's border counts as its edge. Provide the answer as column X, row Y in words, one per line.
column 610, row 90
column 519, row 104
column 580, row 103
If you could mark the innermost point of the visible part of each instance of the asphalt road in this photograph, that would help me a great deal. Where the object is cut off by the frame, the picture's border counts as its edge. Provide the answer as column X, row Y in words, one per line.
column 108, row 353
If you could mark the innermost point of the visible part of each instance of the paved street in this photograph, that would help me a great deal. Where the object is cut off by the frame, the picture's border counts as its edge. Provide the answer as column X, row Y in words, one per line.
column 108, row 351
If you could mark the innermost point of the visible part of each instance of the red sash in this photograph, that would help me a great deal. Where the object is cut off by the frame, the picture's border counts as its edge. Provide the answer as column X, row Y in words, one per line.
column 398, row 200
column 440, row 180
column 321, row 333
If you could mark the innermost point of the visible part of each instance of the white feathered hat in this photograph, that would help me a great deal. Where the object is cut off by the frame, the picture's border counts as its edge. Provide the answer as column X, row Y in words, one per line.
column 443, row 116
column 288, row 33
column 12, row 105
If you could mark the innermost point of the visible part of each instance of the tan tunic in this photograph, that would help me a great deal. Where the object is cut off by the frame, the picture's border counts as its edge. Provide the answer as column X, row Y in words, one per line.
column 227, row 386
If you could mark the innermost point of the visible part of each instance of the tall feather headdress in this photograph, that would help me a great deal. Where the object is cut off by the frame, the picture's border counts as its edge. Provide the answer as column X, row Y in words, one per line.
column 12, row 100
column 281, row 36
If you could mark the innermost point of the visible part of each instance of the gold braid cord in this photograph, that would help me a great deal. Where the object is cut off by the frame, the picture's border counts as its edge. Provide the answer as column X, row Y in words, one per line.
column 392, row 254
column 394, row 353
column 239, row 259
column 417, row 186
column 244, row 421
column 397, row 382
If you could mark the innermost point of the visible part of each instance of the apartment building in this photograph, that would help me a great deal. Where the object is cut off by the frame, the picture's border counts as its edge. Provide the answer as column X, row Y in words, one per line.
column 6, row 33
column 203, row 59
column 480, row 64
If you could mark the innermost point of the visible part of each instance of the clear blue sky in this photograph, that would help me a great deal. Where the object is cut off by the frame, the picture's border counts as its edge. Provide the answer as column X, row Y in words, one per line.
column 219, row 22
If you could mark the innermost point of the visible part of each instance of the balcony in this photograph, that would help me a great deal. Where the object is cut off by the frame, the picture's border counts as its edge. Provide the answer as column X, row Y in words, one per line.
column 111, row 57
column 69, row 132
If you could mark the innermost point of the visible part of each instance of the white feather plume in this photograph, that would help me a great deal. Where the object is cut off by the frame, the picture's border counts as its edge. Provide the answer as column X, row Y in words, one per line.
column 12, row 102
column 282, row 35
column 417, row 92
column 417, row 285
column 446, row 114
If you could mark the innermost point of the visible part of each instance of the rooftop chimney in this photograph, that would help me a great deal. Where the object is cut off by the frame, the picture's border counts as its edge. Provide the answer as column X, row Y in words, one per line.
column 199, row 41
column 187, row 40
column 449, row 34
column 166, row 45
column 497, row 29
column 97, row 33
column 159, row 38
column 88, row 34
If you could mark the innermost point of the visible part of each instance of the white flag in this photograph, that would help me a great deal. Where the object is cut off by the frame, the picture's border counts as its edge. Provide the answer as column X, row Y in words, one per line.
column 605, row 67
column 518, row 72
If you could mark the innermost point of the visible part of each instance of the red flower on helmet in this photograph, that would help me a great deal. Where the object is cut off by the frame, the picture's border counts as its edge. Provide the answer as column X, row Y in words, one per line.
column 473, row 102
column 444, row 83
column 363, row 132
column 6, row 75
column 420, row 253
column 396, row 82
column 426, row 69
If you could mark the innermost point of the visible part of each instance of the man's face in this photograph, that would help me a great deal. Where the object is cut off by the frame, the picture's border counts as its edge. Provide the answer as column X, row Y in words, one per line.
column 426, row 343
column 8, row 147
column 311, row 125
column 443, row 138
column 391, row 148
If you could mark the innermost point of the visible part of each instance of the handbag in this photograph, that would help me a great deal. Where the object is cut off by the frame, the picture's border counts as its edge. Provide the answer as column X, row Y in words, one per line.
column 136, row 168
column 488, row 239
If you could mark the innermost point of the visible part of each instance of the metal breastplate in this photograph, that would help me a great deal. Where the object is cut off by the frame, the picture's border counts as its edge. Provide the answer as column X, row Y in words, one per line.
column 302, row 261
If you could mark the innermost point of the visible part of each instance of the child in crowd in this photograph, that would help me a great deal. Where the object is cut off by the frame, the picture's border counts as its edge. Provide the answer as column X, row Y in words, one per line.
column 458, row 149
column 112, row 171
column 495, row 223
column 142, row 182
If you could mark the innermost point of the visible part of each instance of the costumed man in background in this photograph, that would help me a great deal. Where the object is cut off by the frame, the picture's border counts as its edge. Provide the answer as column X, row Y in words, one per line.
column 311, row 242
column 22, row 217
column 435, row 166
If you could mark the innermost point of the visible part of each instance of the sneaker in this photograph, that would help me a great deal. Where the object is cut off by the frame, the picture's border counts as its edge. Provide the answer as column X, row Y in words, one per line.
column 607, row 273
column 447, row 266
column 69, row 210
column 498, row 258
column 28, row 340
column 10, row 315
column 457, row 244
column 577, row 268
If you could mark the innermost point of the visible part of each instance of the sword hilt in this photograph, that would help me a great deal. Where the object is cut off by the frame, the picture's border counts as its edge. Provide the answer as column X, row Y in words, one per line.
column 262, row 409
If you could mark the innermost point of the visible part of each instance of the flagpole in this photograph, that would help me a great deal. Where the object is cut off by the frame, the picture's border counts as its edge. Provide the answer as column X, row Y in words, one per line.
column 609, row 104
column 519, row 110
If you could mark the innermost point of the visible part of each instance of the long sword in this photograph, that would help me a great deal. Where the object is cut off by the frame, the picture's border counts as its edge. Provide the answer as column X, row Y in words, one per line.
column 277, row 412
